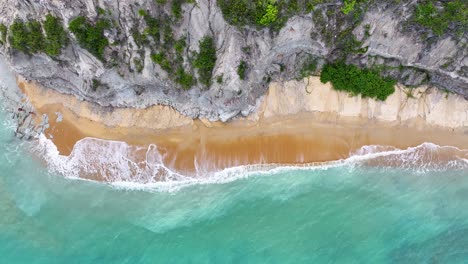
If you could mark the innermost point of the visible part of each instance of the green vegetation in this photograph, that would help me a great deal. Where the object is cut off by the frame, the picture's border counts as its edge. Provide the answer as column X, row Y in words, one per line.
column 205, row 60
column 453, row 13
column 89, row 36
column 35, row 37
column 270, row 14
column 138, row 65
column 350, row 78
column 261, row 13
column 219, row 78
column 27, row 37
column 308, row 68
column 274, row 13
column 152, row 28
column 177, row 7
column 348, row 6
column 242, row 69
column 162, row 61
column 184, row 79
column 56, row 37
column 19, row 35
column 3, row 33
column 95, row 85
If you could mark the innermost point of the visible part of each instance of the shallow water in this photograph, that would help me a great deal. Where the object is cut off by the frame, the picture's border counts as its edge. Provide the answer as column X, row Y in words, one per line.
column 351, row 212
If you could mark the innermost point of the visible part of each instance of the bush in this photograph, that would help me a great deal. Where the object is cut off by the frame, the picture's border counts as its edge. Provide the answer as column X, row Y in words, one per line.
column 241, row 69
column 264, row 13
column 348, row 6
column 162, row 61
column 56, row 37
column 35, row 37
column 3, row 33
column 270, row 14
column 91, row 37
column 184, row 79
column 350, row 78
column 453, row 13
column 153, row 27
column 19, row 36
column 308, row 68
column 27, row 37
column 205, row 60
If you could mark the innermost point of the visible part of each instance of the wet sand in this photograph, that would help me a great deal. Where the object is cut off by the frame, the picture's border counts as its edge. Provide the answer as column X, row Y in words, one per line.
column 190, row 146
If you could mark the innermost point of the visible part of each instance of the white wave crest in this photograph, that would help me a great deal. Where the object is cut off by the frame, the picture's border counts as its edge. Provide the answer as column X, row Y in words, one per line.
column 126, row 166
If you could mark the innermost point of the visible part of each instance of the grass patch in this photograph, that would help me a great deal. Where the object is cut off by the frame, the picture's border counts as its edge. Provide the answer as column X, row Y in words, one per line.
column 350, row 78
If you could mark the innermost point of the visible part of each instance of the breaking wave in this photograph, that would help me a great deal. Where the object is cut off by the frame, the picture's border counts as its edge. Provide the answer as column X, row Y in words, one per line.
column 126, row 166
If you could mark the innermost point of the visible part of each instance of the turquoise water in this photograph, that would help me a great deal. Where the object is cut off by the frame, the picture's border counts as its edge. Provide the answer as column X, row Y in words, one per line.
column 342, row 214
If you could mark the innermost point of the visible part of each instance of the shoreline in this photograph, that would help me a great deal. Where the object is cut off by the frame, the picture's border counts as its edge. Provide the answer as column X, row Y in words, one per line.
column 279, row 132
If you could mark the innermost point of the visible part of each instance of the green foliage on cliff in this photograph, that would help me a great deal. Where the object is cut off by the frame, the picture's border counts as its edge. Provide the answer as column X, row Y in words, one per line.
column 19, row 36
column 162, row 61
column 3, row 33
column 242, row 69
column 89, row 36
column 274, row 13
column 348, row 6
column 356, row 81
column 452, row 13
column 27, row 37
column 56, row 37
column 270, row 13
column 35, row 37
column 185, row 79
column 205, row 60
column 262, row 13
column 152, row 27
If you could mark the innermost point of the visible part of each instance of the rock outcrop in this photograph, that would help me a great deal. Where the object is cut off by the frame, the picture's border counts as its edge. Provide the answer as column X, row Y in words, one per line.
column 128, row 77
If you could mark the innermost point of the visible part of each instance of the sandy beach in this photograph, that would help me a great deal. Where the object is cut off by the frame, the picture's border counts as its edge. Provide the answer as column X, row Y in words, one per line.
column 288, row 127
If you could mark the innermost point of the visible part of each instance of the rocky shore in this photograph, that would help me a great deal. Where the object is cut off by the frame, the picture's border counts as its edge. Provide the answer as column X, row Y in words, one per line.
column 381, row 35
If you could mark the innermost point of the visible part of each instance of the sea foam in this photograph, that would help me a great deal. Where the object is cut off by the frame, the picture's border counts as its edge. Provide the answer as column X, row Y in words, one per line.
column 131, row 167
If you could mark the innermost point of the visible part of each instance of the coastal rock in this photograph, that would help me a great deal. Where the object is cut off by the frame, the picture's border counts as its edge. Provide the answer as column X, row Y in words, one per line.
column 270, row 55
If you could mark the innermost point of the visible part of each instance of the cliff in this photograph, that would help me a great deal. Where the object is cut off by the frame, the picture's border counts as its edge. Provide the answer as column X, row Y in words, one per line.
column 141, row 53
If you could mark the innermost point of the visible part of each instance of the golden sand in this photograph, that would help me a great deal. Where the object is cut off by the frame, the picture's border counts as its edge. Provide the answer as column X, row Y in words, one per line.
column 289, row 127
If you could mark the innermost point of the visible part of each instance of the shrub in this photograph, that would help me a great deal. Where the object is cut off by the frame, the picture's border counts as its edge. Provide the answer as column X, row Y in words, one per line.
column 264, row 13
column 205, row 60
column 19, row 36
column 270, row 14
column 56, row 37
column 3, row 33
column 153, row 27
column 308, row 68
column 348, row 6
column 219, row 78
column 350, row 78
column 241, row 69
column 35, row 37
column 138, row 65
column 184, row 79
column 453, row 13
column 91, row 37
column 27, row 37
column 162, row 61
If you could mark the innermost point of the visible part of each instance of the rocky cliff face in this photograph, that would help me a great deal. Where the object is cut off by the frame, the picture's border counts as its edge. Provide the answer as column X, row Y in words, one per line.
column 380, row 36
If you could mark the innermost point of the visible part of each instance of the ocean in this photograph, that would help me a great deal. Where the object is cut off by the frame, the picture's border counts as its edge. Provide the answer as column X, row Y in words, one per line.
column 360, row 210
